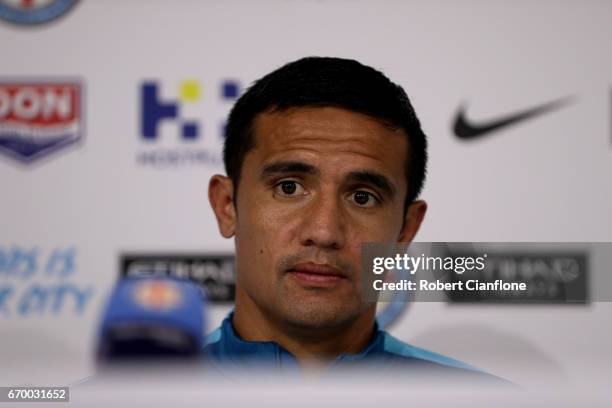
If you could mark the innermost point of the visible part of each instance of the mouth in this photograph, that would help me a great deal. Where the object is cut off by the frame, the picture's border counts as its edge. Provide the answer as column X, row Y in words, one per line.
column 317, row 274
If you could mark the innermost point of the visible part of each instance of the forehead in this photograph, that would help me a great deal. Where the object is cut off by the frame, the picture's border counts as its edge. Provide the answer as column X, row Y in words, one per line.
column 330, row 135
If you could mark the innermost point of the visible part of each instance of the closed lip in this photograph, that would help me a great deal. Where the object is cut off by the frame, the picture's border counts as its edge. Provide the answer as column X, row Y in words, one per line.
column 317, row 269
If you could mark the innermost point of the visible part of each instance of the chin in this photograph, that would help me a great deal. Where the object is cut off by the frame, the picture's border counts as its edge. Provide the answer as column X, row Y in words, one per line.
column 313, row 314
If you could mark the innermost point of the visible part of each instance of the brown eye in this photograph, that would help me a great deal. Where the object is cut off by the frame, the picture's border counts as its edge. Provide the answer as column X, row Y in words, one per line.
column 288, row 187
column 361, row 197
column 364, row 199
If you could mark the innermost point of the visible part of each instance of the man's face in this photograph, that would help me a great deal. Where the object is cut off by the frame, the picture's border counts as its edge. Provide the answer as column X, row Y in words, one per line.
column 318, row 183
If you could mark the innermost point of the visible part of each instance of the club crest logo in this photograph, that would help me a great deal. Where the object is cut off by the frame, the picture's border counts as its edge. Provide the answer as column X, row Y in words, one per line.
column 157, row 294
column 30, row 12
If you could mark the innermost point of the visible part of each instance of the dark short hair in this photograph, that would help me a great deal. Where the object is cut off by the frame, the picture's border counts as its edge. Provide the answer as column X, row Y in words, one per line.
column 334, row 82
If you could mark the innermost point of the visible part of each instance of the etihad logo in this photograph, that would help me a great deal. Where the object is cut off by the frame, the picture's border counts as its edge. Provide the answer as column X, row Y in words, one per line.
column 215, row 273
column 467, row 129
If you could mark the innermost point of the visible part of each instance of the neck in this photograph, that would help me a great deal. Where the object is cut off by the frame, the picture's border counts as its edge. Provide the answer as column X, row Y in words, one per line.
column 310, row 346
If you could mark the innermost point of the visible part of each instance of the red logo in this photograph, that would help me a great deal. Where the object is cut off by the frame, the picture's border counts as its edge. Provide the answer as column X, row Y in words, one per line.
column 39, row 118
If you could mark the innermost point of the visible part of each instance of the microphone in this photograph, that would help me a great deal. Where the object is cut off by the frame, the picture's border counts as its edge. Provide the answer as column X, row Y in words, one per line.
column 152, row 318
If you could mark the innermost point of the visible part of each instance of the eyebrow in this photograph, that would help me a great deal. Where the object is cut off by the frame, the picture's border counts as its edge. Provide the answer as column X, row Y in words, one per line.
column 376, row 179
column 288, row 167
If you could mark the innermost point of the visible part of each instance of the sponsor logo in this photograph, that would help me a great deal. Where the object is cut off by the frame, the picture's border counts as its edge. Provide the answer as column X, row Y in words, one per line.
column 30, row 12
column 214, row 273
column 38, row 118
column 37, row 282
column 549, row 277
column 157, row 294
column 466, row 129
column 175, row 132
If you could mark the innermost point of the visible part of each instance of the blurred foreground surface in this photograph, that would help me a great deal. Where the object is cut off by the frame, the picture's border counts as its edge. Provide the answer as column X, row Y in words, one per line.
column 255, row 391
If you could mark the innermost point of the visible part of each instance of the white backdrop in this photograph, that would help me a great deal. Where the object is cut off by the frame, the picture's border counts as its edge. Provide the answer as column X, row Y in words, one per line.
column 546, row 179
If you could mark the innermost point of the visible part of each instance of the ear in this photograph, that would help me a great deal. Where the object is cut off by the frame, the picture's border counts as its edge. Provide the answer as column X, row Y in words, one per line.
column 221, row 197
column 414, row 217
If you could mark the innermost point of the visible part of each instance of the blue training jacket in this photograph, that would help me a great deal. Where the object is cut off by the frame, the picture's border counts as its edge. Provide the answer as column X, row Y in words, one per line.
column 225, row 350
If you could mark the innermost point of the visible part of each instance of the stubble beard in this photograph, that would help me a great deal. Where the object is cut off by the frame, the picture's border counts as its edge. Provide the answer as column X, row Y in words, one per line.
column 315, row 309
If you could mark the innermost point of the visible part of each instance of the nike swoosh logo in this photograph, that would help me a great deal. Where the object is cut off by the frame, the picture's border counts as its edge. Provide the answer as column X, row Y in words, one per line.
column 467, row 130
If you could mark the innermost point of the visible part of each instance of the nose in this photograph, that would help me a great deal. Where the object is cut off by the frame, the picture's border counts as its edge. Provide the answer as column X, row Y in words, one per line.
column 323, row 224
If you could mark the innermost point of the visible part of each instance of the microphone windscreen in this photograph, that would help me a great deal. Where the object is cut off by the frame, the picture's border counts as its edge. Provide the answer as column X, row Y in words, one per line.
column 152, row 317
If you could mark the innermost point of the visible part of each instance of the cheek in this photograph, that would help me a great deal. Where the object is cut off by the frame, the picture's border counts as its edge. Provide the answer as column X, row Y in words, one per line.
column 384, row 227
column 263, row 233
column 252, row 260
